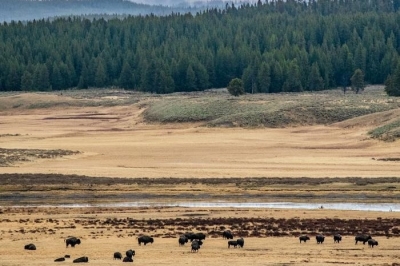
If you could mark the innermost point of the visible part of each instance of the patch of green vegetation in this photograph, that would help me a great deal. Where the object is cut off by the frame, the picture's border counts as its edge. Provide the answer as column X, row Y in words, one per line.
column 263, row 110
column 388, row 132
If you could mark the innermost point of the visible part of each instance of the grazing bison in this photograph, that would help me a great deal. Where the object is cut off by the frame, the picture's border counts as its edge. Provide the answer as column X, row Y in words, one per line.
column 127, row 259
column 67, row 256
column 72, row 241
column 182, row 240
column 227, row 234
column 30, row 247
column 320, row 239
column 233, row 243
column 117, row 256
column 196, row 236
column 130, row 253
column 240, row 242
column 81, row 260
column 195, row 246
column 304, row 238
column 337, row 238
column 59, row 259
column 372, row 243
column 363, row 238
column 145, row 240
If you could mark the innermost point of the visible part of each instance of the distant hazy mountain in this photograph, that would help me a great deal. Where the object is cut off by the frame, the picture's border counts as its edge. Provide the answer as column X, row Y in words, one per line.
column 37, row 9
column 193, row 3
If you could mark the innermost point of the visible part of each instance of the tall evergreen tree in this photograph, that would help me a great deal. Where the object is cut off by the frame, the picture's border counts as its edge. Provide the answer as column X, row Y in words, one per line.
column 263, row 78
column 293, row 79
column 56, row 78
column 315, row 81
column 126, row 76
column 392, row 83
column 357, row 81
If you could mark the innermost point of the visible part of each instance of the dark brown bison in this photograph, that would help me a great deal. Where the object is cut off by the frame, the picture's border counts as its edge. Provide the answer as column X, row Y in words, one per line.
column 30, row 247
column 130, row 253
column 362, row 238
column 232, row 243
column 195, row 246
column 127, row 259
column 195, row 236
column 59, row 259
column 320, row 239
column 81, row 260
column 182, row 240
column 337, row 238
column 117, row 256
column 227, row 234
column 72, row 241
column 372, row 243
column 145, row 240
column 240, row 242
column 304, row 238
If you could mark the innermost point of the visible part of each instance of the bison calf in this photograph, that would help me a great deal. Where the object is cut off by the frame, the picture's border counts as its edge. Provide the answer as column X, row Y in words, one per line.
column 232, row 243
column 372, row 243
column 304, row 238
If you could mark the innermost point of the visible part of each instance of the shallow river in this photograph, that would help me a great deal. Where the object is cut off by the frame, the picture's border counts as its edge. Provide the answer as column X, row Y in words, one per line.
column 384, row 207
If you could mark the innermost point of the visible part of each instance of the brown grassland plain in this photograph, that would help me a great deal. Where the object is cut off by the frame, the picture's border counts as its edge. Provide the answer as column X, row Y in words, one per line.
column 84, row 142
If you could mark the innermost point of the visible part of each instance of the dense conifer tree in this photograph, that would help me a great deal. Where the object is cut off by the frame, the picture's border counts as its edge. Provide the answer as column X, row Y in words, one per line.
column 273, row 46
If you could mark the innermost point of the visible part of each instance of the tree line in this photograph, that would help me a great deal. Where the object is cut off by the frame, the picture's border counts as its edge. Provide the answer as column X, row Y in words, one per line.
column 272, row 46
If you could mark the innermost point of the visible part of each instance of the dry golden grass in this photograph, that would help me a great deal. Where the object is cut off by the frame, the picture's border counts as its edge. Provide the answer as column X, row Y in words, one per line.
column 100, row 242
column 115, row 142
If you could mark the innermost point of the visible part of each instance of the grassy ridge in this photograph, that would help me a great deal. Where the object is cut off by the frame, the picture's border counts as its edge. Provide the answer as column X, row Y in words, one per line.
column 388, row 132
column 278, row 110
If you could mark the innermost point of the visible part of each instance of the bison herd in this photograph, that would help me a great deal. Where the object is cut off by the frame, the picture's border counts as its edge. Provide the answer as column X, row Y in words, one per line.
column 337, row 238
column 197, row 240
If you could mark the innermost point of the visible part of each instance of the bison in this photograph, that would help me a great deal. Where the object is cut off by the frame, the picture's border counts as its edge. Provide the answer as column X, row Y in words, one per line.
column 337, row 238
column 127, row 259
column 130, row 253
column 59, row 259
column 145, row 240
column 81, row 260
column 304, row 238
column 240, row 242
column 320, row 239
column 182, row 240
column 117, row 256
column 30, row 247
column 195, row 246
column 363, row 238
column 195, row 236
column 72, row 241
column 372, row 243
column 233, row 243
column 227, row 234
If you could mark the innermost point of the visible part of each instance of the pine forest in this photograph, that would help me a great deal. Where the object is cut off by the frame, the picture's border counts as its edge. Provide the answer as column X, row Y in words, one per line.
column 272, row 46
